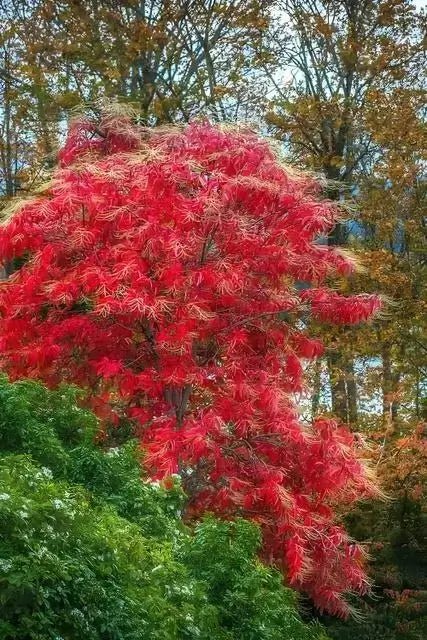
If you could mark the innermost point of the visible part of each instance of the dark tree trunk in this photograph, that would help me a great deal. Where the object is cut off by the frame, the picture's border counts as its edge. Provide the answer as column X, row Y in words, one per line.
column 315, row 400
column 351, row 392
column 390, row 382
column 338, row 386
column 341, row 368
column 343, row 387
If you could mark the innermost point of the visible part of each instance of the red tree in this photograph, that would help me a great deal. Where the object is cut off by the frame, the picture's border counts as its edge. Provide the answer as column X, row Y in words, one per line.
column 159, row 269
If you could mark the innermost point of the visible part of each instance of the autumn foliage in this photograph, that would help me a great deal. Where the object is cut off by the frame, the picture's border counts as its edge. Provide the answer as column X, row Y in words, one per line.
column 162, row 269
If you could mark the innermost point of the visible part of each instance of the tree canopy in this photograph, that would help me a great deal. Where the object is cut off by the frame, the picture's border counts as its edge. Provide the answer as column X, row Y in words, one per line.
column 160, row 270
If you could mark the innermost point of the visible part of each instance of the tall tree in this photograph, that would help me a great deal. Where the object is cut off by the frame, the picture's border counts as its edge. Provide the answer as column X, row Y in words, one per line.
column 174, row 59
column 353, row 76
column 159, row 271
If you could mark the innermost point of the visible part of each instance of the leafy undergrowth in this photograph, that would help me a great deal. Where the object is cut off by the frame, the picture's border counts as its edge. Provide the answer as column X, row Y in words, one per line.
column 395, row 532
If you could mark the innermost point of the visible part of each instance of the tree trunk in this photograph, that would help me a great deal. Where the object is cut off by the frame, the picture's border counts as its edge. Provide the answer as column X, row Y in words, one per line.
column 389, row 384
column 341, row 368
column 7, row 154
column 338, row 386
column 315, row 400
column 351, row 392
column 343, row 387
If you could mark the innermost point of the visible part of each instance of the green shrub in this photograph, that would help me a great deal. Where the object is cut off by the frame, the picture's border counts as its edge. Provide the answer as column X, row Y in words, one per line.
column 88, row 549
column 72, row 569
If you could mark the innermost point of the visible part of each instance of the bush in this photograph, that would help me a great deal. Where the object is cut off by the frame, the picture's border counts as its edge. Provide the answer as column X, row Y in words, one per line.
column 90, row 550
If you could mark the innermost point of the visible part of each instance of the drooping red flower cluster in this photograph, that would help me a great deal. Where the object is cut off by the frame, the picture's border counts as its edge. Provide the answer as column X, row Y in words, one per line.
column 159, row 270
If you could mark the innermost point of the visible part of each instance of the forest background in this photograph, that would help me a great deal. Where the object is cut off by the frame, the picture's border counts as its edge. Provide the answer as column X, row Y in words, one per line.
column 341, row 86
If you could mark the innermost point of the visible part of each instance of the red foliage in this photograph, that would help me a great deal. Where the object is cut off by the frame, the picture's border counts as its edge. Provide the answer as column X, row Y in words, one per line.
column 160, row 272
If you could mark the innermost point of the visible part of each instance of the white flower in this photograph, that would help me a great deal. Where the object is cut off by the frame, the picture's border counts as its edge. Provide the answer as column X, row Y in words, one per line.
column 47, row 472
column 159, row 566
column 4, row 496
column 58, row 504
column 114, row 451
column 194, row 630
column 184, row 590
column 5, row 565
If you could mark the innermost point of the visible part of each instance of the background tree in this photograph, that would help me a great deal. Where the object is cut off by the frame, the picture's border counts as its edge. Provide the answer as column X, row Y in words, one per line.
column 173, row 60
column 395, row 534
column 351, row 106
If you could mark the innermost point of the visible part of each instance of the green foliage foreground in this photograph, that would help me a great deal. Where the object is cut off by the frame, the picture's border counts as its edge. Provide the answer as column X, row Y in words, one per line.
column 90, row 550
